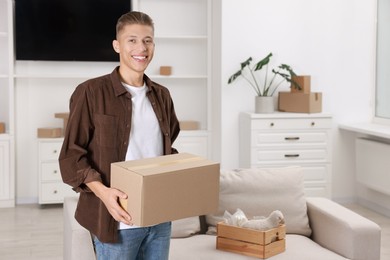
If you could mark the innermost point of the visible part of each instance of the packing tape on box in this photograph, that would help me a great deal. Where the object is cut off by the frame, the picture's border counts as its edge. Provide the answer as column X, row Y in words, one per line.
column 162, row 164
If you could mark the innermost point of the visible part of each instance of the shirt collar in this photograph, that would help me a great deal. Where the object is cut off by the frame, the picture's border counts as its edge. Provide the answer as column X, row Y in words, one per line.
column 119, row 89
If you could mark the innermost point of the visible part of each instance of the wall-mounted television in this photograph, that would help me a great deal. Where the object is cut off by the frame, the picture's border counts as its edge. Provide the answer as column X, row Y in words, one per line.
column 67, row 30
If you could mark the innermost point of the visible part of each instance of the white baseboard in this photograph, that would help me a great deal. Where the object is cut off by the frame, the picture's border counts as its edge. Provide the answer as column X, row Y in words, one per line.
column 375, row 207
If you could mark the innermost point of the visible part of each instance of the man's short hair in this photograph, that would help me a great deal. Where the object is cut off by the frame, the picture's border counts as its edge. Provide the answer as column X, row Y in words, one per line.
column 133, row 17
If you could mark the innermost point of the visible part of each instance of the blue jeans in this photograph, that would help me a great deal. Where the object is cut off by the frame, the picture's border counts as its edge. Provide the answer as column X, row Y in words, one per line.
column 145, row 243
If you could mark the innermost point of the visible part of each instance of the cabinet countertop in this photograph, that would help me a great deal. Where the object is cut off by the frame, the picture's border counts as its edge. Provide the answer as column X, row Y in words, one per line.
column 287, row 115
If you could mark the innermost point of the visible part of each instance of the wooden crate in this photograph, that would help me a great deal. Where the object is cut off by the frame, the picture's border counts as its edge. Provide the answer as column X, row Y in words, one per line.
column 250, row 242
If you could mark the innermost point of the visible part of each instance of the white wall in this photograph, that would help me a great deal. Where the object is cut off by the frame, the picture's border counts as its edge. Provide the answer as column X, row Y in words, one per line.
column 333, row 41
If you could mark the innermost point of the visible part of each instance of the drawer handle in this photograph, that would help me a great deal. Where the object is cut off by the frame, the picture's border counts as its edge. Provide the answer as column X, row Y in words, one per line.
column 271, row 124
column 313, row 123
column 291, row 155
column 55, row 191
column 55, row 151
column 55, row 171
column 291, row 138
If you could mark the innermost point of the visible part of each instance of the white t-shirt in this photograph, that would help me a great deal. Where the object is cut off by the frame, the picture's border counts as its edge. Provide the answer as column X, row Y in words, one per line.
column 145, row 139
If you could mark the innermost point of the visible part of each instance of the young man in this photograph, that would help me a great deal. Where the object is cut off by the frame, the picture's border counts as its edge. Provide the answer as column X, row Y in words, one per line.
column 117, row 117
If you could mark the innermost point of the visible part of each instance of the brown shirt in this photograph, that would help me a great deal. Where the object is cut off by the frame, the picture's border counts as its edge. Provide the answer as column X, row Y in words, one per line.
column 97, row 135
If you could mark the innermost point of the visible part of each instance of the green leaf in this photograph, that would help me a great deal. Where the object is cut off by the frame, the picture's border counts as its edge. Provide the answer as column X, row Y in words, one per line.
column 234, row 76
column 289, row 77
column 263, row 62
column 239, row 73
column 246, row 63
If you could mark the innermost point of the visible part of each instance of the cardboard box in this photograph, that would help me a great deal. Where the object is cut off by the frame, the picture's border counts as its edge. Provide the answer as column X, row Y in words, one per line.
column 300, row 102
column 189, row 125
column 165, row 70
column 250, row 242
column 65, row 117
column 167, row 188
column 2, row 127
column 304, row 82
column 48, row 132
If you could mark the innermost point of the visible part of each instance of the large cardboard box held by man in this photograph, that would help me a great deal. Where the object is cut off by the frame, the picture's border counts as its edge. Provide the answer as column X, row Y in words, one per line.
column 167, row 188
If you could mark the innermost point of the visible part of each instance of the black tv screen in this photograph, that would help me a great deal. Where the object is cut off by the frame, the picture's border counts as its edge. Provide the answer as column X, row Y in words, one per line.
column 67, row 30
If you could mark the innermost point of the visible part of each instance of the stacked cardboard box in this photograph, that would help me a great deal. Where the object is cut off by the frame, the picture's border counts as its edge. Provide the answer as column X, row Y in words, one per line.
column 189, row 125
column 300, row 100
column 54, row 132
column 49, row 132
column 250, row 242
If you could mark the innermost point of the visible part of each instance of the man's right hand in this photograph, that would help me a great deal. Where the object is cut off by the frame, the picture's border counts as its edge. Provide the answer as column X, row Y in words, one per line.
column 110, row 196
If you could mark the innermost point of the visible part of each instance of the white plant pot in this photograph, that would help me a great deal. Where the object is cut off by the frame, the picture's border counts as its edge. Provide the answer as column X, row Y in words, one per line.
column 264, row 104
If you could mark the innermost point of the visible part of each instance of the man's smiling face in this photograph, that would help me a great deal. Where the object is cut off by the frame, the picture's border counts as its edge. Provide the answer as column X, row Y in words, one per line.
column 135, row 45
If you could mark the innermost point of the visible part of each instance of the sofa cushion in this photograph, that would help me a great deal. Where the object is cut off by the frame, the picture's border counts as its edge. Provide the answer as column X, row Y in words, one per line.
column 202, row 247
column 260, row 191
column 185, row 227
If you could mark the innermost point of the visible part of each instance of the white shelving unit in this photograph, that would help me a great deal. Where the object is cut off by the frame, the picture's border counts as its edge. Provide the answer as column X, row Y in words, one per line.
column 285, row 139
column 43, row 88
column 183, row 41
column 7, row 173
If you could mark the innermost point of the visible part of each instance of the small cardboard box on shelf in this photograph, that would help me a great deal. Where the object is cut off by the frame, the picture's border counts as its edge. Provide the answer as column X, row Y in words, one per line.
column 189, row 125
column 49, row 132
column 167, row 188
column 250, row 242
column 2, row 127
column 165, row 70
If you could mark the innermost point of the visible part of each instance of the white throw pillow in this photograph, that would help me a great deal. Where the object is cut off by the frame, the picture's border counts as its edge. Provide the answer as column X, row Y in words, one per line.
column 259, row 191
column 185, row 227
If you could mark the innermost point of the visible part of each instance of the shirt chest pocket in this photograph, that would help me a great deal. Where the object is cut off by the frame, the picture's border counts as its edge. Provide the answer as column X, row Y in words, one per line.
column 106, row 130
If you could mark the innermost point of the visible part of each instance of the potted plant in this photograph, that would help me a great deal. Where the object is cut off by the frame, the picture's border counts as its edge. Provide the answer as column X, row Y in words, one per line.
column 266, row 87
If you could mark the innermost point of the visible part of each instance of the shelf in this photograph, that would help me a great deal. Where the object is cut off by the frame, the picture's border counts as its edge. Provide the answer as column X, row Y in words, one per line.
column 54, row 76
column 190, row 133
column 74, row 76
column 178, row 77
column 181, row 37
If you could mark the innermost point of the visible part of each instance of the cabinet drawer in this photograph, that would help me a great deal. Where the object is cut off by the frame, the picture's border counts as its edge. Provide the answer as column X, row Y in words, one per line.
column 260, row 138
column 54, row 192
column 49, row 150
column 316, row 174
column 292, row 123
column 50, row 171
column 275, row 156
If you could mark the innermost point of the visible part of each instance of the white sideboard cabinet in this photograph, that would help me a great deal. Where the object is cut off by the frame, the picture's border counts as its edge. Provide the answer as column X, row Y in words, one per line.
column 51, row 188
column 287, row 139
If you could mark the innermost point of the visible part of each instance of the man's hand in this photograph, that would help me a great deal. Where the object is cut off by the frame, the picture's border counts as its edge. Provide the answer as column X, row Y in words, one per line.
column 110, row 197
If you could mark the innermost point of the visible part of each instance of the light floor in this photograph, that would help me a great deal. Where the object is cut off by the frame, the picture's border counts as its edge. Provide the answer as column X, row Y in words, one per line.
column 32, row 232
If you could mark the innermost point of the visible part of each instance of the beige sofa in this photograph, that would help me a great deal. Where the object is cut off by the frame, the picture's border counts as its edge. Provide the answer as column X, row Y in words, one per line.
column 317, row 228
